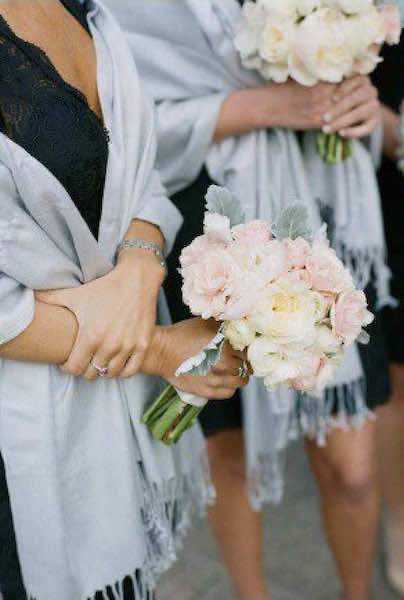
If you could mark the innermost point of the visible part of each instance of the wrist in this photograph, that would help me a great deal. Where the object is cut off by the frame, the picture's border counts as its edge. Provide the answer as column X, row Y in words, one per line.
column 268, row 106
column 140, row 261
column 154, row 363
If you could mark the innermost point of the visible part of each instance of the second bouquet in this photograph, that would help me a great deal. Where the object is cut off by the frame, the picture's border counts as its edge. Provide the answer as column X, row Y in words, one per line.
column 279, row 294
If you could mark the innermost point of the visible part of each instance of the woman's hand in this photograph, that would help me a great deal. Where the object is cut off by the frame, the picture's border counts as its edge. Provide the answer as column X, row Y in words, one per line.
column 174, row 344
column 116, row 315
column 356, row 111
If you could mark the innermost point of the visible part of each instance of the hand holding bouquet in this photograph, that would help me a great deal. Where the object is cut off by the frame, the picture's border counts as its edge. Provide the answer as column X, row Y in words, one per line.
column 280, row 296
column 314, row 41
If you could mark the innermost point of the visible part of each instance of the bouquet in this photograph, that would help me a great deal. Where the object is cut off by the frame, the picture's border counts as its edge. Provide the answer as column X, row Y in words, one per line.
column 279, row 294
column 314, row 41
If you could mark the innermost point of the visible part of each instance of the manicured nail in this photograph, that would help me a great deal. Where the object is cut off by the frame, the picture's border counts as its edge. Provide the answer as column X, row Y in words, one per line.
column 327, row 117
column 326, row 129
column 342, row 133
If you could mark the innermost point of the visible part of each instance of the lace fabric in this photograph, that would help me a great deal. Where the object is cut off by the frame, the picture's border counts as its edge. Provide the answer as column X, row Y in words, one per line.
column 52, row 120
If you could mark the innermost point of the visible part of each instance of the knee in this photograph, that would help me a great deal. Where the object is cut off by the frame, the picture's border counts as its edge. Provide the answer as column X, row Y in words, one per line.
column 355, row 485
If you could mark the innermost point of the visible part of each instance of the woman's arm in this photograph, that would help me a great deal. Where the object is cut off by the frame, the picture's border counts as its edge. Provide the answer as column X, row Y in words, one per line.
column 351, row 106
column 49, row 338
column 391, row 125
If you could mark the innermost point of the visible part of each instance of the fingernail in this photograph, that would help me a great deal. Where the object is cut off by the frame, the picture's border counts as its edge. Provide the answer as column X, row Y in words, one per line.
column 335, row 98
column 342, row 133
column 326, row 129
column 327, row 117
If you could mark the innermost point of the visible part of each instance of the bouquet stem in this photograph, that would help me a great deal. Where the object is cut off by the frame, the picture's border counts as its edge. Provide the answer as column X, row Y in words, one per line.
column 333, row 148
column 169, row 416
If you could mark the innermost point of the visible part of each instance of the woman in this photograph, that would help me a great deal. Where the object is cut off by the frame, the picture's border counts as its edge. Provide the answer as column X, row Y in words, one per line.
column 390, row 81
column 219, row 122
column 98, row 506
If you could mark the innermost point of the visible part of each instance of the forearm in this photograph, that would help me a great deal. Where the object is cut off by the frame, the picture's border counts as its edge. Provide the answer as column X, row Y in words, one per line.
column 391, row 124
column 49, row 338
column 245, row 110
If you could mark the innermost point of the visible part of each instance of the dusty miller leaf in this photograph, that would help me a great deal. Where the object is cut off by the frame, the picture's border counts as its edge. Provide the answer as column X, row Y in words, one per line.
column 293, row 223
column 202, row 363
column 221, row 201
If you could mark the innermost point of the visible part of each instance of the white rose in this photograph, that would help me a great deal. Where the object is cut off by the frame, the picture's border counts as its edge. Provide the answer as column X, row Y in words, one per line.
column 217, row 227
column 275, row 46
column 321, row 45
column 239, row 333
column 350, row 7
column 271, row 361
column 286, row 312
column 326, row 341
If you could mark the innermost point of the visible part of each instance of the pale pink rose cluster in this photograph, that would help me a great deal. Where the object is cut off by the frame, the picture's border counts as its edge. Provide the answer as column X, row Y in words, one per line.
column 291, row 304
column 315, row 40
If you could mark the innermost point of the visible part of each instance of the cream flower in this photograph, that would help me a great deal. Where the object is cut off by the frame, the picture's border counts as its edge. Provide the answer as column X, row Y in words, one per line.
column 350, row 7
column 239, row 333
column 286, row 312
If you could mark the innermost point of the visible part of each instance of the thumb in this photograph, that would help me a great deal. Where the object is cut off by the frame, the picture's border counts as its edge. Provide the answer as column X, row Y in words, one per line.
column 55, row 297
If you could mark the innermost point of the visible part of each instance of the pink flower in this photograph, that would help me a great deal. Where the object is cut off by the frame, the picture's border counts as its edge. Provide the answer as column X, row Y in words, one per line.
column 349, row 314
column 256, row 231
column 194, row 252
column 311, row 365
column 297, row 252
column 302, row 275
column 214, row 287
column 392, row 23
column 326, row 271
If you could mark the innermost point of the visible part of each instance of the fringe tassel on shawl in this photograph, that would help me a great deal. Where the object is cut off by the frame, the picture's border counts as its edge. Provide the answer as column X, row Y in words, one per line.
column 166, row 514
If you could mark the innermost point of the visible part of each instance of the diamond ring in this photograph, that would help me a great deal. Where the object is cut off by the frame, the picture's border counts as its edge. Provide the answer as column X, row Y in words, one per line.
column 102, row 371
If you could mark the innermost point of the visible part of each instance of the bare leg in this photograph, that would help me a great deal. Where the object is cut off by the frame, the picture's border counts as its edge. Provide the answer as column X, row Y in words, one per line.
column 236, row 527
column 390, row 437
column 347, row 480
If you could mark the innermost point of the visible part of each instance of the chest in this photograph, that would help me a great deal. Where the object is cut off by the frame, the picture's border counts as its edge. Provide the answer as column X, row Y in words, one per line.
column 64, row 40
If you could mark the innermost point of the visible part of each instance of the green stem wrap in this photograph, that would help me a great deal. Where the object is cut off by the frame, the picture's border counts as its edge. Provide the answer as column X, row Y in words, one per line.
column 333, row 148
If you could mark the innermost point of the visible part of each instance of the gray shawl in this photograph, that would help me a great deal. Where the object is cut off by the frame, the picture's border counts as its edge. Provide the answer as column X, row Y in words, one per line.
column 94, row 498
column 185, row 50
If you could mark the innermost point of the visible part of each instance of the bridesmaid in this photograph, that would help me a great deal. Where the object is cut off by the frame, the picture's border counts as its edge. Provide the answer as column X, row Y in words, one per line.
column 205, row 109
column 389, row 79
column 98, row 506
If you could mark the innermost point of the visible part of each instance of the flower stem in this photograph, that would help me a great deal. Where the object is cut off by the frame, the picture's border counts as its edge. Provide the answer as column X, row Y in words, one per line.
column 333, row 148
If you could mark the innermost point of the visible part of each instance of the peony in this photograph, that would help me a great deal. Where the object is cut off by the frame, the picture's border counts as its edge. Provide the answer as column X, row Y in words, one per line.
column 217, row 228
column 255, row 231
column 322, row 45
column 273, row 362
column 349, row 314
column 214, row 286
column 327, row 341
column 297, row 252
column 285, row 9
column 263, row 261
column 196, row 250
column 274, row 48
column 321, row 306
column 286, row 312
column 391, row 23
column 249, row 30
column 326, row 271
column 318, row 381
column 239, row 333
column 350, row 7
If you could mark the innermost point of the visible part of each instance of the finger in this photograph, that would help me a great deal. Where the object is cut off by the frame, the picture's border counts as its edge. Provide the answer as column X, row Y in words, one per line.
column 133, row 365
column 228, row 381
column 117, row 365
column 349, row 85
column 361, row 130
column 91, row 374
column 228, row 367
column 354, row 117
column 358, row 97
column 80, row 357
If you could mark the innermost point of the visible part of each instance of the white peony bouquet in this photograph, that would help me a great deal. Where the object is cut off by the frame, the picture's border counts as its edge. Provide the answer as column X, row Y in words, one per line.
column 314, row 41
column 280, row 295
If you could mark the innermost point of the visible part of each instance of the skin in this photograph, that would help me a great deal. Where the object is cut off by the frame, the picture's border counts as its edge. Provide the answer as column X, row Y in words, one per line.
column 111, row 320
column 348, row 489
column 390, row 425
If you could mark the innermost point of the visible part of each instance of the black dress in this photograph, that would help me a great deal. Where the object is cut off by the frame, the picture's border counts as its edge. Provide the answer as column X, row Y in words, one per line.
column 220, row 415
column 389, row 78
column 53, row 122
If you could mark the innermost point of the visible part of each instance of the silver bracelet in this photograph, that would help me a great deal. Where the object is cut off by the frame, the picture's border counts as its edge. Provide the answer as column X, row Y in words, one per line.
column 143, row 245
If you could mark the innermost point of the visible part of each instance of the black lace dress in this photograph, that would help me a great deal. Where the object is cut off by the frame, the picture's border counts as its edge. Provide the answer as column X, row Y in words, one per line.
column 53, row 122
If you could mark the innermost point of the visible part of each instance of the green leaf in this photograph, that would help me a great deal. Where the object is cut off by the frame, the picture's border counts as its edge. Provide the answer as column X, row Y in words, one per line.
column 221, row 201
column 293, row 223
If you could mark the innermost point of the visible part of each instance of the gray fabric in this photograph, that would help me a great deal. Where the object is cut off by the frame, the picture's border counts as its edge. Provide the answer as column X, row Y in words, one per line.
column 94, row 498
column 184, row 49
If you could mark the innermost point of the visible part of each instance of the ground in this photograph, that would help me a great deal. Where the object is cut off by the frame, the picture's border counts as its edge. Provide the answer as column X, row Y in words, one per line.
column 299, row 564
